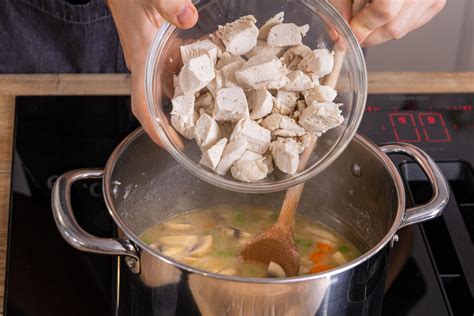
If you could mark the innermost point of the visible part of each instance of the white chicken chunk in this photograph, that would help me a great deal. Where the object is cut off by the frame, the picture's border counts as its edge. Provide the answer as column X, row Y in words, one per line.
column 293, row 56
column 211, row 157
column 206, row 132
column 240, row 36
column 262, row 72
column 249, row 170
column 319, row 62
column 249, row 155
column 285, row 102
column 286, row 154
column 177, row 89
column 281, row 125
column 183, row 115
column 286, row 34
column 197, row 49
column 258, row 138
column 298, row 81
column 263, row 48
column 204, row 104
column 232, row 152
column 216, row 84
column 228, row 58
column 196, row 74
column 319, row 94
column 260, row 102
column 231, row 104
column 321, row 117
column 267, row 26
column 228, row 73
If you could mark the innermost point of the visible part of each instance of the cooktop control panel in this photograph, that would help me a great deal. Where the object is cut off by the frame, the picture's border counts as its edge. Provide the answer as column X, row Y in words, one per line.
column 440, row 124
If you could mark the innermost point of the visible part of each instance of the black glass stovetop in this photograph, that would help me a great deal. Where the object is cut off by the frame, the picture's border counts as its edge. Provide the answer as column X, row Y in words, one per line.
column 431, row 269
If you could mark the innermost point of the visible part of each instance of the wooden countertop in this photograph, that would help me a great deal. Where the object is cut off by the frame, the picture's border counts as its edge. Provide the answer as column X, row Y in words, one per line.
column 118, row 84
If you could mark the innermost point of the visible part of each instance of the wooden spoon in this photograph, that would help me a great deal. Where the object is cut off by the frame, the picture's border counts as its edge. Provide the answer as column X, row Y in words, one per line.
column 277, row 244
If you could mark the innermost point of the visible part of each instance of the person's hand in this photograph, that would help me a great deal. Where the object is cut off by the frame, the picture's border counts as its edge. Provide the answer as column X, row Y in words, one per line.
column 137, row 22
column 384, row 20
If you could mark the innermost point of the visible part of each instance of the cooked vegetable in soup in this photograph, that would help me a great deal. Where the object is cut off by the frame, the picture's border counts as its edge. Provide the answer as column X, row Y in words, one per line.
column 211, row 239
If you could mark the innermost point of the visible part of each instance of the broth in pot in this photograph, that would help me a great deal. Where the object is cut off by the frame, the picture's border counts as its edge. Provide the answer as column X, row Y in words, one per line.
column 211, row 238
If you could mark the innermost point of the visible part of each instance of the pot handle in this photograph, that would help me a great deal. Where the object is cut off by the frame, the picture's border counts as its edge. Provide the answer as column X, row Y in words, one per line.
column 73, row 233
column 435, row 206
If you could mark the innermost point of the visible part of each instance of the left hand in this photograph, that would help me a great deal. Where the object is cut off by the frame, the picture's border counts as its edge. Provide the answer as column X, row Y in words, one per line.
column 385, row 20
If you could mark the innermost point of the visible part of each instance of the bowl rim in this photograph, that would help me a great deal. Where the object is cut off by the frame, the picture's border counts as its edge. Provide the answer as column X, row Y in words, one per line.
column 371, row 147
column 156, row 49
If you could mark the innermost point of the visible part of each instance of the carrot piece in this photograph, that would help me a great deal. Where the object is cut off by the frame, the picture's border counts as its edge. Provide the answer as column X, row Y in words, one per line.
column 316, row 256
column 320, row 268
column 324, row 247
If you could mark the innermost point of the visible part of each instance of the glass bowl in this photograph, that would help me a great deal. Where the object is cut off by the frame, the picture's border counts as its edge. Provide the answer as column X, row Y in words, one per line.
column 327, row 30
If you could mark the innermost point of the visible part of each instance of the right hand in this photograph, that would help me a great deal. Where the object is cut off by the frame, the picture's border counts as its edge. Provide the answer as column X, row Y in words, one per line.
column 137, row 21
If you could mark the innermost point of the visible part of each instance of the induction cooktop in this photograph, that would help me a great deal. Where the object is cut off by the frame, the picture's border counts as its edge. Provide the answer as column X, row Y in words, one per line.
column 432, row 272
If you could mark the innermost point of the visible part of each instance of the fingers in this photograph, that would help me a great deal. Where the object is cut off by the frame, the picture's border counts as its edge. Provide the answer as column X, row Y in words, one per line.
column 397, row 28
column 344, row 7
column 375, row 15
column 181, row 13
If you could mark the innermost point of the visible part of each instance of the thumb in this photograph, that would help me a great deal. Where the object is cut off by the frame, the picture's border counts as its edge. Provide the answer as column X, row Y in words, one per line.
column 181, row 13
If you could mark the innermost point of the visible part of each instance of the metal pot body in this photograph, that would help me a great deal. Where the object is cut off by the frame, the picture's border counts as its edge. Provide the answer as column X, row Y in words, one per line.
column 360, row 195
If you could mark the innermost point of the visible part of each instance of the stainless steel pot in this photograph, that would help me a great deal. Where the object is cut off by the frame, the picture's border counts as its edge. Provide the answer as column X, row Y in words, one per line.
column 361, row 195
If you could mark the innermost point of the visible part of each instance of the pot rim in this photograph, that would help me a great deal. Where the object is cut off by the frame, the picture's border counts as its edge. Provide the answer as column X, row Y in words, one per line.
column 372, row 147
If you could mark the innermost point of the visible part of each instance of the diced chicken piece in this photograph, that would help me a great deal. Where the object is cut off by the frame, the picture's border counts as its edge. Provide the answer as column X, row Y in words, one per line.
column 183, row 116
column 212, row 156
column 320, row 94
column 262, row 72
column 293, row 56
column 267, row 26
column 258, row 138
column 240, row 36
column 226, row 129
column 249, row 155
column 263, row 48
column 177, row 89
column 286, row 154
column 298, row 81
column 204, row 103
column 249, row 170
column 228, row 73
column 197, row 49
column 231, row 104
column 305, row 140
column 267, row 160
column 285, row 102
column 206, row 132
column 300, row 105
column 231, row 154
column 281, row 125
column 196, row 74
column 286, row 34
column 260, row 102
column 217, row 41
column 216, row 84
column 319, row 62
column 321, row 117
column 228, row 58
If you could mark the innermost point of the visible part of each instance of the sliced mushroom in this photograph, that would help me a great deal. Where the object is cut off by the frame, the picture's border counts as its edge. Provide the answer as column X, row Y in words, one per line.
column 203, row 246
column 275, row 271
column 174, row 250
column 322, row 234
column 182, row 240
column 229, row 271
column 235, row 232
column 189, row 260
column 339, row 258
column 178, row 226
